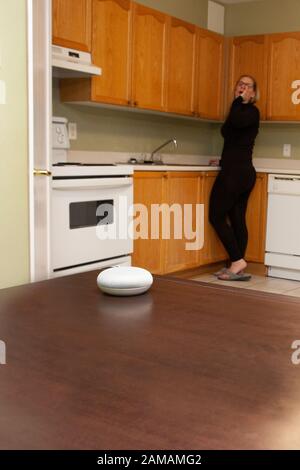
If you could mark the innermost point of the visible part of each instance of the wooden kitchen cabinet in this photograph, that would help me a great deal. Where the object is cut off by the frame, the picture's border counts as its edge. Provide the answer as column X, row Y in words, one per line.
column 111, row 50
column 183, row 188
column 162, row 256
column 149, row 188
column 210, row 74
column 284, row 76
column 256, row 220
column 213, row 250
column 166, row 253
column 150, row 60
column 129, row 44
column 248, row 55
column 111, row 47
column 181, row 57
column 71, row 24
column 150, row 28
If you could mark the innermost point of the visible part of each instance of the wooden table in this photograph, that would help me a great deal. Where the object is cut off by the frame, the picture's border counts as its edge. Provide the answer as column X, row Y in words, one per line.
column 185, row 366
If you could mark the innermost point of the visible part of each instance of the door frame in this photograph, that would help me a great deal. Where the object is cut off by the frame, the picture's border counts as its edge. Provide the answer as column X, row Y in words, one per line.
column 39, row 76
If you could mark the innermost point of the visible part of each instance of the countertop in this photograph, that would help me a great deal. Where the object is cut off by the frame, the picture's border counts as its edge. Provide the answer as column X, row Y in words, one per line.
column 264, row 165
column 170, row 167
column 186, row 365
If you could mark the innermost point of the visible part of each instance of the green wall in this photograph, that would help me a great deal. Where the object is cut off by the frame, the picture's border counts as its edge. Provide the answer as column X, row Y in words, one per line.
column 193, row 11
column 269, row 142
column 130, row 131
column 14, row 237
column 260, row 17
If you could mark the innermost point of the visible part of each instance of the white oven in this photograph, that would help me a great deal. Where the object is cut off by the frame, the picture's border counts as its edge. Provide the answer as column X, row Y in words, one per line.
column 90, row 206
column 91, row 219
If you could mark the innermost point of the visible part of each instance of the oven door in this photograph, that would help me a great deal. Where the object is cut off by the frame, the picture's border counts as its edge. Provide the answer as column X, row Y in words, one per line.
column 90, row 220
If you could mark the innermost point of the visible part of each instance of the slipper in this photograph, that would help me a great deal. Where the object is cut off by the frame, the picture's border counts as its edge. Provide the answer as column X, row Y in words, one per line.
column 230, row 276
column 221, row 271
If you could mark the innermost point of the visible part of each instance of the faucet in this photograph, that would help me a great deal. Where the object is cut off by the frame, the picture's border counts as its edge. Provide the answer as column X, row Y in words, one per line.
column 160, row 147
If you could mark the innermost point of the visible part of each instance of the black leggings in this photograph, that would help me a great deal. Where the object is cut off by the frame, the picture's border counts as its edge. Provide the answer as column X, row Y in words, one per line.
column 227, row 209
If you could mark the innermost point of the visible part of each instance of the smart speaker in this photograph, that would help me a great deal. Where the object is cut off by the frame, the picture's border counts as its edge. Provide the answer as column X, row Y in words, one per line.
column 124, row 280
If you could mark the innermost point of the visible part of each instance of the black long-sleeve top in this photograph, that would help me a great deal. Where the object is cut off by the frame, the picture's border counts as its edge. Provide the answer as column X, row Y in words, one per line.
column 239, row 131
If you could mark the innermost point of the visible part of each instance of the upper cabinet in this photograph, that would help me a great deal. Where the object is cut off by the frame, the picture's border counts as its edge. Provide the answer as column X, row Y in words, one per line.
column 210, row 74
column 154, row 61
column 284, row 77
column 248, row 56
column 149, row 58
column 181, row 64
column 71, row 23
column 111, row 48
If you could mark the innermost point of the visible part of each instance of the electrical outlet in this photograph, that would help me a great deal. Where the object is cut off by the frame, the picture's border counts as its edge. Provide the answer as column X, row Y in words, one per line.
column 286, row 150
column 2, row 92
column 72, row 127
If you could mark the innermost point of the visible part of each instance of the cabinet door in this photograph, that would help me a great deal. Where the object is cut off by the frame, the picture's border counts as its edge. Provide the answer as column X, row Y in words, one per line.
column 210, row 71
column 111, row 47
column 149, row 188
column 213, row 250
column 72, row 23
column 248, row 56
column 256, row 220
column 183, row 190
column 284, row 77
column 149, row 58
column 181, row 67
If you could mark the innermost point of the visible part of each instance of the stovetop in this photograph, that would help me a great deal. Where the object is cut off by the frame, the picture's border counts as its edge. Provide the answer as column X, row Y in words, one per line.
column 92, row 170
column 82, row 164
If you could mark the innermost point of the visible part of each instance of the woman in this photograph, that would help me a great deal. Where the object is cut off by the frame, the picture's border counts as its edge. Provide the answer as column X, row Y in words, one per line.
column 232, row 188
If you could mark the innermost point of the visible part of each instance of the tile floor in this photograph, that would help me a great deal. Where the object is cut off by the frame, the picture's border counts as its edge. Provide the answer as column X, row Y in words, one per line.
column 259, row 283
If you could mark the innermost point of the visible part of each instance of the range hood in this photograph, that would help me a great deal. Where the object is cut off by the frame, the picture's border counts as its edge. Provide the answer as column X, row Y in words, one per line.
column 72, row 63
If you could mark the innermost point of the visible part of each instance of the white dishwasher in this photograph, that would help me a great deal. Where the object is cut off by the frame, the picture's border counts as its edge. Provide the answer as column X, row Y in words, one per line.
column 283, row 227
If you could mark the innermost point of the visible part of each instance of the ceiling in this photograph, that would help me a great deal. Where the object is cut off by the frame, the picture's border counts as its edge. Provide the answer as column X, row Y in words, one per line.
column 227, row 2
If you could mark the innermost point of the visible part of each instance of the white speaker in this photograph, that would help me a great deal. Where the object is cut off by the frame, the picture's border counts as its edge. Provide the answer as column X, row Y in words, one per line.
column 124, row 280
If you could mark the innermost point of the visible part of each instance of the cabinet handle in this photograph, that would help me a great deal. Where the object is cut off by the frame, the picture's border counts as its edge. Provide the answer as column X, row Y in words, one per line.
column 135, row 103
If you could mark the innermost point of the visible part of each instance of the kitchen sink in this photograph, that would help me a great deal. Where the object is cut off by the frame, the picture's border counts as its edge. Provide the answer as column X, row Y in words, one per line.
column 165, row 164
column 186, row 164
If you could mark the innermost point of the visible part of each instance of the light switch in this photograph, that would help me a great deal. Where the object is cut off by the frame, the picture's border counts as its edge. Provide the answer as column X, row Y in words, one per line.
column 72, row 130
column 2, row 92
column 287, row 150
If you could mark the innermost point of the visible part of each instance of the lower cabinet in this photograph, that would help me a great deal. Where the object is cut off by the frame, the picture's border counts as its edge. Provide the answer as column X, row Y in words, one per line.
column 164, row 230
column 164, row 196
column 183, row 193
column 257, row 219
column 149, row 189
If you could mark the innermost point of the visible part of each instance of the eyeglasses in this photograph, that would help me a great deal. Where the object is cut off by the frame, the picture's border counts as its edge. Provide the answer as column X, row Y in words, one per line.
column 248, row 85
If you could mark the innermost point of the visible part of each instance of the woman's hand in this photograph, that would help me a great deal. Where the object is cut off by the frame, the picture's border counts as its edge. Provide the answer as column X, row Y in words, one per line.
column 247, row 95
